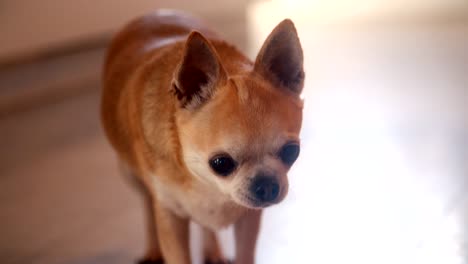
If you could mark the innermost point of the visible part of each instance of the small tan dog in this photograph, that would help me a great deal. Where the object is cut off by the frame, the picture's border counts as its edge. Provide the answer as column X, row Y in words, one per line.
column 209, row 135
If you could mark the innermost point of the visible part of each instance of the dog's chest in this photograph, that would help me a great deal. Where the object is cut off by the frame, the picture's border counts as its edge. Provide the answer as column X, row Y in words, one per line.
column 199, row 203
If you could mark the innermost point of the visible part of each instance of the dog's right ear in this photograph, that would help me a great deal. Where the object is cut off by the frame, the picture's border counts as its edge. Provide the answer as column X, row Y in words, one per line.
column 199, row 72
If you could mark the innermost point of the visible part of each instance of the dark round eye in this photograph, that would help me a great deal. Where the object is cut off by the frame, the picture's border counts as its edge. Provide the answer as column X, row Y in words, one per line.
column 223, row 164
column 289, row 153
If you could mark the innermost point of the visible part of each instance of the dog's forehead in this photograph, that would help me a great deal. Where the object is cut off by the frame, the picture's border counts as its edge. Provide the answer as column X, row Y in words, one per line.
column 256, row 115
column 260, row 103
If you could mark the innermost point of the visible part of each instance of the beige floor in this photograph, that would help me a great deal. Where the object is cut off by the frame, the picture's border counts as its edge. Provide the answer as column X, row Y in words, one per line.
column 62, row 199
column 382, row 176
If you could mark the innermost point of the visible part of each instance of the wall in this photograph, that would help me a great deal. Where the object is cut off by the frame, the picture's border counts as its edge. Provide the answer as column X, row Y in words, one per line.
column 31, row 26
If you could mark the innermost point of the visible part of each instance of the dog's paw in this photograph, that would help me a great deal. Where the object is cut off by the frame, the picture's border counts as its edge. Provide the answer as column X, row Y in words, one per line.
column 218, row 262
column 150, row 261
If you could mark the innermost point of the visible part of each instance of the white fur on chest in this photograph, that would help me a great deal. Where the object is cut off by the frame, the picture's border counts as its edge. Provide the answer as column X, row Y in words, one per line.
column 200, row 203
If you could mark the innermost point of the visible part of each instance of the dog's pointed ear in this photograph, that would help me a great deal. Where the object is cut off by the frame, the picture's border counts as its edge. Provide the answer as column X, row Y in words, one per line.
column 199, row 72
column 281, row 59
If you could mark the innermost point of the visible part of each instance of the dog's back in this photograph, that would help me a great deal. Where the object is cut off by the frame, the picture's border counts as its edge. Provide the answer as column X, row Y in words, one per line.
column 147, row 33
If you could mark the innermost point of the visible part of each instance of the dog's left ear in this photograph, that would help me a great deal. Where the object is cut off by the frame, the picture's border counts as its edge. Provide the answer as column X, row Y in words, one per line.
column 199, row 72
column 280, row 59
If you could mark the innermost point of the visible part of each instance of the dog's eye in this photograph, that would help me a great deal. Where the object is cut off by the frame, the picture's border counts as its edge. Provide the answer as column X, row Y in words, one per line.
column 223, row 164
column 289, row 153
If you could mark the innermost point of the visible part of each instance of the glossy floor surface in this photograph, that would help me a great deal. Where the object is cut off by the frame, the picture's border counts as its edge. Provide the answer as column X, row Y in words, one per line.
column 382, row 177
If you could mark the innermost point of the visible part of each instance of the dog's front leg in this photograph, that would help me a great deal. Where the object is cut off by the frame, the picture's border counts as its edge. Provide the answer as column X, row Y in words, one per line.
column 173, row 233
column 246, row 232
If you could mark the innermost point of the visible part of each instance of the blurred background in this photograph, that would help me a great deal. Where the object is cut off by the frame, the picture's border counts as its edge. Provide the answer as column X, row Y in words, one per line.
column 383, row 174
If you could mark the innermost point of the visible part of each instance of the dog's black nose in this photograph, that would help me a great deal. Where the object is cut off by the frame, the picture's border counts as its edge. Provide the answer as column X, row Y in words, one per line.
column 265, row 189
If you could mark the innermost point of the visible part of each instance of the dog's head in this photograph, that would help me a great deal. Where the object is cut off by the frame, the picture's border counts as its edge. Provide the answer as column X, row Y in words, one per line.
column 241, row 133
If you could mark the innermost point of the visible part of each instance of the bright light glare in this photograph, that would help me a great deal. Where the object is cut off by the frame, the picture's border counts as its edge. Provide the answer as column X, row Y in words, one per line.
column 359, row 193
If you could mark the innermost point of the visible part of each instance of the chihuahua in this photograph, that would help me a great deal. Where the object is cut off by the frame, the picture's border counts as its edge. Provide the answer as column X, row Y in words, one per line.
column 207, row 134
